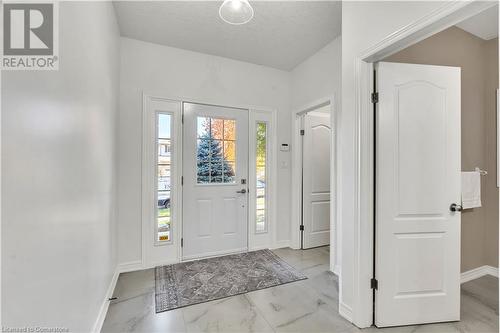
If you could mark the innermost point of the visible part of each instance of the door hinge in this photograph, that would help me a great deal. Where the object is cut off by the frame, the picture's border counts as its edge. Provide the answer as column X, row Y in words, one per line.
column 374, row 284
column 182, row 180
column 302, row 132
column 182, row 118
column 375, row 97
column 182, row 242
column 301, row 228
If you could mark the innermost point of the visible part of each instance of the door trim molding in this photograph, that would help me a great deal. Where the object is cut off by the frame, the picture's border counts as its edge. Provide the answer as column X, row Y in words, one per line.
column 443, row 17
column 335, row 190
column 267, row 239
column 147, row 173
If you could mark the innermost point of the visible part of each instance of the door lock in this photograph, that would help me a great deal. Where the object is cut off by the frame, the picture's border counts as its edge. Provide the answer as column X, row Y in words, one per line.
column 243, row 191
column 456, row 208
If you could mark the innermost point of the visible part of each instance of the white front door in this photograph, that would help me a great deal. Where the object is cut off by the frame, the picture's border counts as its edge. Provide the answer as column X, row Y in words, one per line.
column 316, row 180
column 417, row 180
column 215, row 173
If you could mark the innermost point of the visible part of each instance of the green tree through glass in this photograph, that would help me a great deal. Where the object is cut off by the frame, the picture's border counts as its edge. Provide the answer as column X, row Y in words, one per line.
column 261, row 144
column 212, row 167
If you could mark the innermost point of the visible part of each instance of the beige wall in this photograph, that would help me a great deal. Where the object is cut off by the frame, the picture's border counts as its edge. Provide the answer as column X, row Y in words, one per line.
column 479, row 62
column 491, row 191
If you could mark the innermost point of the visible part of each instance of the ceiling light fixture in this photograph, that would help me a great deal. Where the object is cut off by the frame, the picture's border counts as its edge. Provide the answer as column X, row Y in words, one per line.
column 236, row 12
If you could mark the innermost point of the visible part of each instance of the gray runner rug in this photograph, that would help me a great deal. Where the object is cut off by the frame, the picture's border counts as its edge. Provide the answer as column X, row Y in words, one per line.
column 206, row 280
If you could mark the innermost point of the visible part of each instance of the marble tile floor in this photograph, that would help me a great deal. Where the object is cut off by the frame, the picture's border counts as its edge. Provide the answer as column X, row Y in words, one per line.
column 305, row 306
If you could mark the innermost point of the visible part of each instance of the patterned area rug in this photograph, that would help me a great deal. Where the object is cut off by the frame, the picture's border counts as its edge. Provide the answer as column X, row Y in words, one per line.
column 206, row 280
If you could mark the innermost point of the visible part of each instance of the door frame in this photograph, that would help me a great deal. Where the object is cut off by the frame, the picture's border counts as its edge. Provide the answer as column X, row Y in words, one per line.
column 296, row 167
column 253, row 243
column 361, row 311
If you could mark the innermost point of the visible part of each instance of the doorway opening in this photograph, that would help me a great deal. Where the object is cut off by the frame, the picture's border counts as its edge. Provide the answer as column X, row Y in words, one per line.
column 215, row 180
column 314, row 179
column 209, row 180
column 316, row 134
column 320, row 116
column 435, row 126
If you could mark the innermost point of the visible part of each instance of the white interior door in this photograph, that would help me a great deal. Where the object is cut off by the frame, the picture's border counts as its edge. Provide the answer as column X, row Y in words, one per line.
column 417, row 179
column 215, row 171
column 316, row 180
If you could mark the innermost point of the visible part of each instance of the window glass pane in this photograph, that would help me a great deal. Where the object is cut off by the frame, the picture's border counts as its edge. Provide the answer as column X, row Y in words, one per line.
column 229, row 129
column 164, row 151
column 164, row 177
column 164, row 126
column 215, row 153
column 261, row 177
column 217, row 128
column 203, row 150
column 216, row 150
column 229, row 150
column 203, row 175
column 229, row 172
column 216, row 172
column 203, row 127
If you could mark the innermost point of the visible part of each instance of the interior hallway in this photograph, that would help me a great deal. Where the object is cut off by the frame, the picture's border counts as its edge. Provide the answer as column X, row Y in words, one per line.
column 305, row 306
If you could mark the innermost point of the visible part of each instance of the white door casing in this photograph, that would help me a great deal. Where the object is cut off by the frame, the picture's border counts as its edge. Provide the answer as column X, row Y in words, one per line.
column 316, row 180
column 417, row 179
column 155, row 254
column 215, row 214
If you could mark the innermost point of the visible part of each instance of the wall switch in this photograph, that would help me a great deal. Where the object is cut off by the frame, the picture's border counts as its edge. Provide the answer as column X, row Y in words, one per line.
column 284, row 147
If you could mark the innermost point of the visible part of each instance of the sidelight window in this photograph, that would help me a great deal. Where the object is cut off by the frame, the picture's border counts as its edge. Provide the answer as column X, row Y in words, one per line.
column 164, row 179
column 261, row 176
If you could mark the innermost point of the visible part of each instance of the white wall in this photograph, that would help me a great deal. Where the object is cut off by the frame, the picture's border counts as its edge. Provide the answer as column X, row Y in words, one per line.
column 363, row 25
column 318, row 76
column 175, row 73
column 58, row 177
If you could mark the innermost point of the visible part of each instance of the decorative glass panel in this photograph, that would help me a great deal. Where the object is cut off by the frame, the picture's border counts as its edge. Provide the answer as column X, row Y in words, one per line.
column 203, row 129
column 229, row 150
column 261, row 177
column 229, row 129
column 164, row 177
column 217, row 128
column 216, row 150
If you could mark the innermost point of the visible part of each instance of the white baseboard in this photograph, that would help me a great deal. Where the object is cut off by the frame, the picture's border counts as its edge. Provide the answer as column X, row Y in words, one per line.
column 336, row 270
column 161, row 263
column 130, row 266
column 478, row 272
column 280, row 244
column 105, row 304
column 345, row 311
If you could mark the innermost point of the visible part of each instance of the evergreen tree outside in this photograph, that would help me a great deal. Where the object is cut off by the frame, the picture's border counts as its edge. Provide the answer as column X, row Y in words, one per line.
column 212, row 167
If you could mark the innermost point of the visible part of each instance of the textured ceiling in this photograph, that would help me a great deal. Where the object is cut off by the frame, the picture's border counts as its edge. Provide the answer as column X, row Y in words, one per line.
column 281, row 35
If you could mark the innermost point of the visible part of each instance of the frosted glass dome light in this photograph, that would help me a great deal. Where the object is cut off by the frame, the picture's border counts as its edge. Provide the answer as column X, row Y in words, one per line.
column 236, row 11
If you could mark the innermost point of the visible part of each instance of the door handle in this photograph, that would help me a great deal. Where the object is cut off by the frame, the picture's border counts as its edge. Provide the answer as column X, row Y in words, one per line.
column 456, row 208
column 243, row 191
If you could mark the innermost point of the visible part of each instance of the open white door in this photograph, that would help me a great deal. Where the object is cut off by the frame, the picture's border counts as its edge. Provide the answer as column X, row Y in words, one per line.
column 417, row 181
column 215, row 172
column 316, row 180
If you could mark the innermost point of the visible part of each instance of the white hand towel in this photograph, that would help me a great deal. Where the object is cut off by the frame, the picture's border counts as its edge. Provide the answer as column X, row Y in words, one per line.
column 471, row 189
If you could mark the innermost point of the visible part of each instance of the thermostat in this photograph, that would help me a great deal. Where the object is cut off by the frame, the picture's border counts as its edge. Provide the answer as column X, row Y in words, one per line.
column 284, row 147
